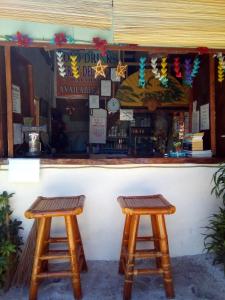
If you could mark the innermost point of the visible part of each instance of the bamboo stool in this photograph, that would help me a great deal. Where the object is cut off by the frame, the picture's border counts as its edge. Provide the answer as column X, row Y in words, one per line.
column 43, row 210
column 134, row 207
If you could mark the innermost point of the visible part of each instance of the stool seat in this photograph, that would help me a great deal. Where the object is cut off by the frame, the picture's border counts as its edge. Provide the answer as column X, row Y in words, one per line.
column 154, row 206
column 55, row 207
column 43, row 210
column 145, row 205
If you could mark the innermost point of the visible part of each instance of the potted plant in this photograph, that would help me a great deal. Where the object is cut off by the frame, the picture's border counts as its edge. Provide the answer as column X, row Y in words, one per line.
column 214, row 241
column 10, row 240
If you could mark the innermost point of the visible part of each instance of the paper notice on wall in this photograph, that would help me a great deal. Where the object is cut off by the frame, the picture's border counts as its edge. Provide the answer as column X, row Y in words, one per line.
column 204, row 117
column 106, row 88
column 195, row 121
column 98, row 126
column 24, row 170
column 17, row 134
column 16, row 97
column 194, row 105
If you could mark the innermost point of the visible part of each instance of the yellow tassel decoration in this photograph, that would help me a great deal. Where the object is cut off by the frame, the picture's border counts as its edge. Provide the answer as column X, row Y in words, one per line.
column 220, row 69
column 74, row 67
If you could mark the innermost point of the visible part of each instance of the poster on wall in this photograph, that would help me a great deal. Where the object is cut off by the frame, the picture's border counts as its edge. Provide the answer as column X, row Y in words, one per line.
column 16, row 97
column 106, row 88
column 204, row 117
column 98, row 126
column 93, row 101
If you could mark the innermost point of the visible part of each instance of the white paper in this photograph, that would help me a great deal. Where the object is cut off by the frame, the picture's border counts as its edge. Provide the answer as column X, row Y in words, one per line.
column 204, row 117
column 194, row 105
column 24, row 170
column 98, row 125
column 106, row 88
column 93, row 101
column 16, row 99
column 126, row 114
column 195, row 121
column 17, row 134
column 113, row 75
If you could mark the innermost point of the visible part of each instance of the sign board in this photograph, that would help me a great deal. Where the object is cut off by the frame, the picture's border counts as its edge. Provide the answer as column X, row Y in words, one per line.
column 16, row 97
column 86, row 84
column 98, row 126
column 126, row 114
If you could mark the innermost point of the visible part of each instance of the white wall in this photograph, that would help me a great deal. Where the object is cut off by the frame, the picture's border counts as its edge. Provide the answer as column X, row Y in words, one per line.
column 186, row 186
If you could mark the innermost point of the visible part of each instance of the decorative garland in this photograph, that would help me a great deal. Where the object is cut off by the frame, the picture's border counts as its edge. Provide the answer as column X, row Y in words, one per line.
column 100, row 45
column 163, row 79
column 196, row 66
column 188, row 70
column 60, row 64
column 74, row 67
column 220, row 67
column 22, row 40
column 141, row 81
column 176, row 65
column 155, row 69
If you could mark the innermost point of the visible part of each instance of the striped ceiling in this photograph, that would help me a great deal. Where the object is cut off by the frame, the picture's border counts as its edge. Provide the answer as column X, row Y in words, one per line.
column 85, row 13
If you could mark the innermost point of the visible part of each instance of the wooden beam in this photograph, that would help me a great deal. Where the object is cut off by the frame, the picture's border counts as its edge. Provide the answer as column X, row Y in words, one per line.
column 9, row 100
column 124, row 47
column 212, row 103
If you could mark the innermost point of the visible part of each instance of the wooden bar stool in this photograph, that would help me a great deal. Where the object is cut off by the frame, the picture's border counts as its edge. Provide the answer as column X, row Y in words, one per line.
column 43, row 210
column 155, row 206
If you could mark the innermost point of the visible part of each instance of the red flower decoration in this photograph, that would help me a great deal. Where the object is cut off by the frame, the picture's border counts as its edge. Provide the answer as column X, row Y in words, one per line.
column 60, row 38
column 100, row 45
column 22, row 40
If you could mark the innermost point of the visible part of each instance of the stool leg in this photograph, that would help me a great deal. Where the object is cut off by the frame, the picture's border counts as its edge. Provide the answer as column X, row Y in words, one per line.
column 131, row 260
column 124, row 243
column 166, row 266
column 78, row 238
column 155, row 231
column 37, row 262
column 70, row 227
column 46, row 244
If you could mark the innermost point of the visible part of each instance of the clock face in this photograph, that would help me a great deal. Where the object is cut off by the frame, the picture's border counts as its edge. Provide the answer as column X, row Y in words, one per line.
column 113, row 105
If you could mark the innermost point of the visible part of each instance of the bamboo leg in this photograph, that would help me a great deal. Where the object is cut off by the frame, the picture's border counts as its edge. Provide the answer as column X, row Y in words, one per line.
column 155, row 231
column 37, row 263
column 166, row 266
column 124, row 243
column 130, row 261
column 78, row 237
column 70, row 225
column 46, row 245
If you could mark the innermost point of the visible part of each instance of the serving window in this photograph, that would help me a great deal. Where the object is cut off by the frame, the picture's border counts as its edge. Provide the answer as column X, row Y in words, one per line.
column 72, row 103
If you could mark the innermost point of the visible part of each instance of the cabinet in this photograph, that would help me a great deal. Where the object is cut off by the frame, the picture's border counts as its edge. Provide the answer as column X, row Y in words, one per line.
column 140, row 141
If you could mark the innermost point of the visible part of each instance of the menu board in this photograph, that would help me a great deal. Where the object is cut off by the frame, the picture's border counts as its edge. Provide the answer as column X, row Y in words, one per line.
column 98, row 126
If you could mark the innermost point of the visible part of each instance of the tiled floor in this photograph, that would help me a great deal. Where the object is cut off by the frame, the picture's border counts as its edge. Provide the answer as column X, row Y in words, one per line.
column 195, row 278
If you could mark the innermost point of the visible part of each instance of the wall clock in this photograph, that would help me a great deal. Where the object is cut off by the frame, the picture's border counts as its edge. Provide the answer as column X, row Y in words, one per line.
column 113, row 105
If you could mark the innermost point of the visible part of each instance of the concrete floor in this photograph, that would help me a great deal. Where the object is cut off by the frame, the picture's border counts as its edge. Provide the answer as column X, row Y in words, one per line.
column 194, row 278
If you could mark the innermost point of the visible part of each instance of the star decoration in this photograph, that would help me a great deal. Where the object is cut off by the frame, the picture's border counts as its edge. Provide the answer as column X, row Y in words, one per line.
column 99, row 69
column 121, row 70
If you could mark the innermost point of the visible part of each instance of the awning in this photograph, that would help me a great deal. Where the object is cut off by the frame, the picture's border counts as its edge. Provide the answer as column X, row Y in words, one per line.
column 170, row 23
column 89, row 13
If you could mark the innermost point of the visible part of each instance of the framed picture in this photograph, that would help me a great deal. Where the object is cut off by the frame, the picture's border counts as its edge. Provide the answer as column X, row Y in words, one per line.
column 106, row 88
